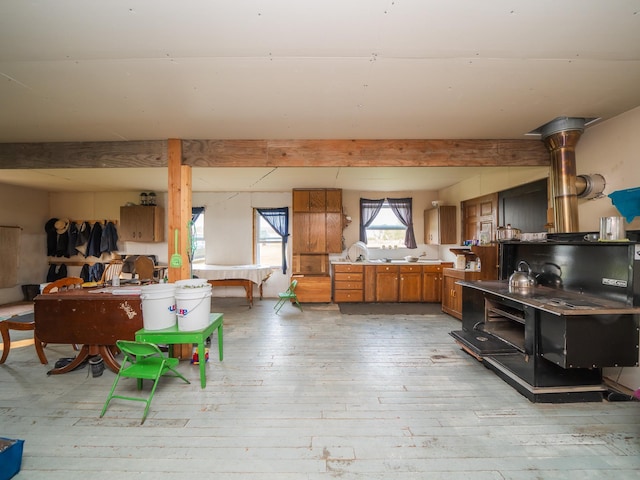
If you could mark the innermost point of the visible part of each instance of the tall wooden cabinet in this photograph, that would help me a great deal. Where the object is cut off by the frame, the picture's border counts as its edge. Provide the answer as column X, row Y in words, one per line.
column 141, row 223
column 316, row 232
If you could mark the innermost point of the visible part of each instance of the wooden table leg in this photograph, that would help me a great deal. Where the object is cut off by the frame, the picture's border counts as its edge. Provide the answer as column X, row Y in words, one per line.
column 109, row 360
column 248, row 286
column 83, row 354
column 6, row 342
column 39, row 350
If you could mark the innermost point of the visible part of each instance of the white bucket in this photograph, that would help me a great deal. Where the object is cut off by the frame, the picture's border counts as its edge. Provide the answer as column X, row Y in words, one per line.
column 193, row 303
column 192, row 282
column 158, row 306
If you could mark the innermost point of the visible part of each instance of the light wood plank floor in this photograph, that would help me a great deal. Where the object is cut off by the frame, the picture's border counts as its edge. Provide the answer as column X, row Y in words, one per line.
column 313, row 395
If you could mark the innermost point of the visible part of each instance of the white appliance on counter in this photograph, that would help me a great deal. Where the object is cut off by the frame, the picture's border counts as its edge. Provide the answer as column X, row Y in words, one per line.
column 358, row 251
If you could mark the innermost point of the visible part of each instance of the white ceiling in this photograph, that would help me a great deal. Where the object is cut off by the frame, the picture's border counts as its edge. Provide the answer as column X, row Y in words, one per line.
column 295, row 69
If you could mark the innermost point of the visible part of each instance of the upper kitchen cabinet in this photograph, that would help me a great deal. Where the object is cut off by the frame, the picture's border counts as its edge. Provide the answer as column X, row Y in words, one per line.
column 140, row 223
column 440, row 225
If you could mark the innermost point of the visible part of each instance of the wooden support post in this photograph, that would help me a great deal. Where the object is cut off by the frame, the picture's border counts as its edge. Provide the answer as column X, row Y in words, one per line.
column 179, row 216
column 179, row 211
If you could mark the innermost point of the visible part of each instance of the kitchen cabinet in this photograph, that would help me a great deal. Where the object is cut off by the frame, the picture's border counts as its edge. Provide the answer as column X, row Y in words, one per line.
column 348, row 283
column 410, row 282
column 387, row 283
column 432, row 282
column 309, row 233
column 313, row 264
column 317, row 221
column 314, row 200
column 333, row 235
column 440, row 225
column 410, row 286
column 451, row 292
column 316, row 232
column 398, row 283
column 140, row 223
column 369, row 283
column 313, row 288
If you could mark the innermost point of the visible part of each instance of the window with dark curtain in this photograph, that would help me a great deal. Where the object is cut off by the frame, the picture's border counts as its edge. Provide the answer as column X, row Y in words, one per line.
column 278, row 218
column 196, row 248
column 403, row 209
column 368, row 211
column 195, row 213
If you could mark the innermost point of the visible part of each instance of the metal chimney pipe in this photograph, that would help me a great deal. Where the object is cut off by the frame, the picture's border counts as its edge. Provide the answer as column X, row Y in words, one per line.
column 561, row 136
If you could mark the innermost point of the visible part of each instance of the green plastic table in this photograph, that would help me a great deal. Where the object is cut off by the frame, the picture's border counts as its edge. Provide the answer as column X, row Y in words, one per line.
column 172, row 336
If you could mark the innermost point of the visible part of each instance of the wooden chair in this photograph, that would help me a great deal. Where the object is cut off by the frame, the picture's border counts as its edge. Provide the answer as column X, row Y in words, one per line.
column 20, row 322
column 111, row 271
column 27, row 321
column 67, row 283
column 144, row 268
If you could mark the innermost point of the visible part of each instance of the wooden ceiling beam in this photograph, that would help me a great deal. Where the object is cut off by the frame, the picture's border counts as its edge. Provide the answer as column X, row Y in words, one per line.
column 364, row 153
column 279, row 153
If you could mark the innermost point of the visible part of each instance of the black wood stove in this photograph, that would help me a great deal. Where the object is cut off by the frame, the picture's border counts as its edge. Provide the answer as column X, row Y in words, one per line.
column 551, row 342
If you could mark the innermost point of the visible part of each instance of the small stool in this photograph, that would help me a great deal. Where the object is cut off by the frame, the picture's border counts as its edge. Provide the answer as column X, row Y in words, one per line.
column 20, row 322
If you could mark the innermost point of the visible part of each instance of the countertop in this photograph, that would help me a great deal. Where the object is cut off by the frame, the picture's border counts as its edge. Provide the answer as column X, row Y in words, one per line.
column 552, row 300
column 392, row 262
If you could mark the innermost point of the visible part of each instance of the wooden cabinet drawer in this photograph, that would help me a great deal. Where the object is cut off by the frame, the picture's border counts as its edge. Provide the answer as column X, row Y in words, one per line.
column 313, row 288
column 348, row 277
column 346, row 268
column 348, row 285
column 410, row 268
column 386, row 268
column 431, row 268
column 344, row 296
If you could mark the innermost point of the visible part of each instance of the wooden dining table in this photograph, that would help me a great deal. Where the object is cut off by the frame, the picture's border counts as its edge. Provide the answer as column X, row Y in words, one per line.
column 245, row 276
column 95, row 320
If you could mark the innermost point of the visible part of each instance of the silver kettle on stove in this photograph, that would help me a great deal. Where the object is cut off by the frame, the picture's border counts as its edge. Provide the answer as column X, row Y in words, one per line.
column 522, row 279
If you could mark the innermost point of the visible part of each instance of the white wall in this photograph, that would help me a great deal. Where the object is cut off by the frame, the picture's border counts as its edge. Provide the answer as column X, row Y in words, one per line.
column 228, row 224
column 28, row 209
column 611, row 149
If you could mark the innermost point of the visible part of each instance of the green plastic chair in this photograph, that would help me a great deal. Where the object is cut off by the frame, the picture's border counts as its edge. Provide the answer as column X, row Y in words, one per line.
column 290, row 294
column 142, row 361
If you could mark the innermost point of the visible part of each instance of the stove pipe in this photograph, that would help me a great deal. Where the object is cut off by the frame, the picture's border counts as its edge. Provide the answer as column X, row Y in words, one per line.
column 561, row 136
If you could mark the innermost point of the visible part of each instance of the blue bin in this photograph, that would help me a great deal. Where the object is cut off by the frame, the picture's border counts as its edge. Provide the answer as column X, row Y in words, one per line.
column 10, row 457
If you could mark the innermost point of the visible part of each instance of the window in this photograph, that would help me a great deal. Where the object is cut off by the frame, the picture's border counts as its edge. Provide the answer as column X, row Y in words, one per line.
column 268, row 243
column 386, row 230
column 197, row 234
column 271, row 234
column 387, row 223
